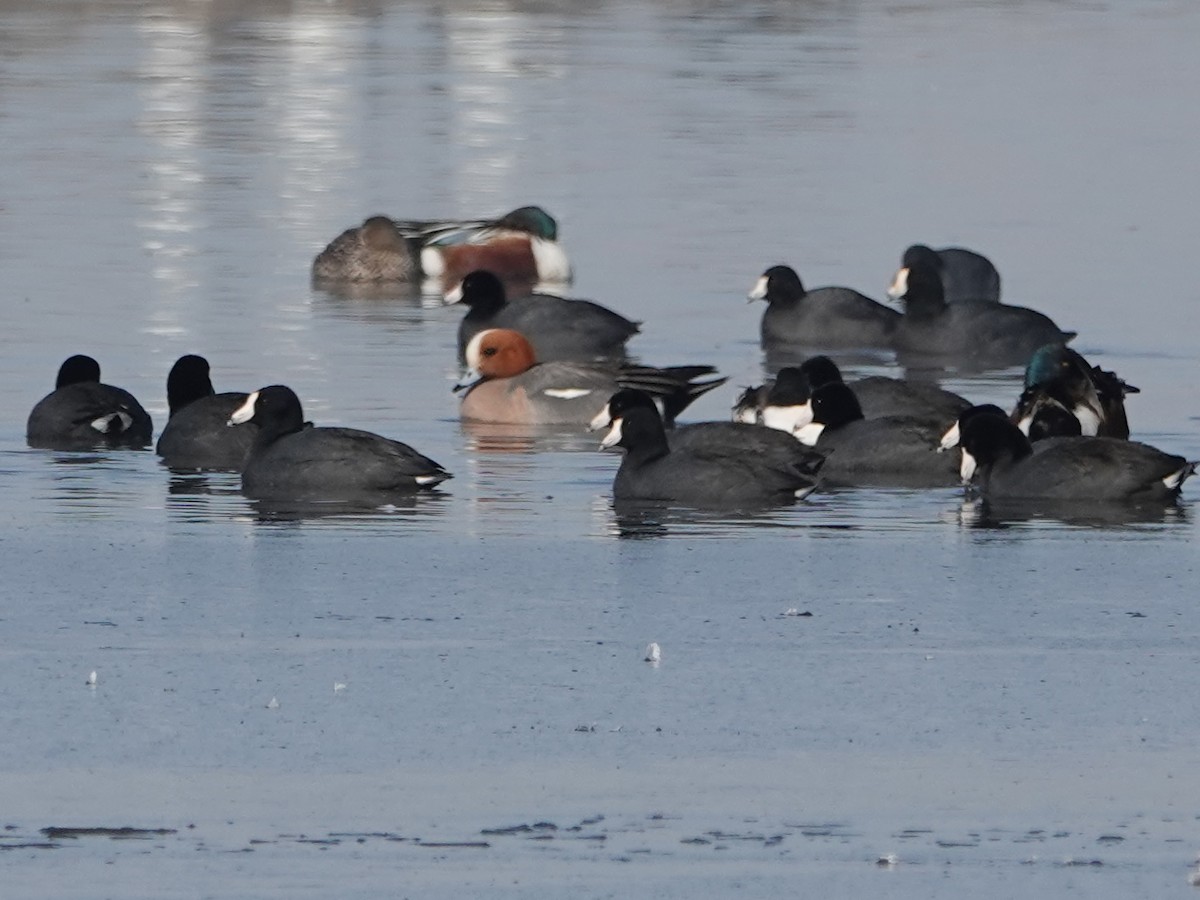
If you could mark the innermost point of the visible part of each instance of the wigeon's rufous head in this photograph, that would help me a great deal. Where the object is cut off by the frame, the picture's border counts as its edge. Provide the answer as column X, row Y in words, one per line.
column 496, row 353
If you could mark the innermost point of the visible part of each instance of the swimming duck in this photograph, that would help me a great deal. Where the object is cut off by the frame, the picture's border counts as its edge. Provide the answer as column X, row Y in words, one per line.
column 557, row 327
column 1002, row 463
column 981, row 333
column 82, row 413
column 885, row 450
column 1065, row 395
column 196, row 435
column 377, row 250
column 505, row 384
column 521, row 246
column 292, row 460
column 701, row 472
column 829, row 316
column 784, row 402
column 966, row 275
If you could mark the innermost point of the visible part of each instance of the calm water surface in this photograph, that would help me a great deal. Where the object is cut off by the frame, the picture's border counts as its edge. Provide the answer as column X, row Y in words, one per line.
column 369, row 703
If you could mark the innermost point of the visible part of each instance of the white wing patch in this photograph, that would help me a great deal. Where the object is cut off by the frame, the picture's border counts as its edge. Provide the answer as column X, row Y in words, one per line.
column 566, row 393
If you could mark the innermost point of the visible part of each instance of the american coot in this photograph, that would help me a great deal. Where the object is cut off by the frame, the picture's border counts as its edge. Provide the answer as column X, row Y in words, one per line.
column 505, row 384
column 196, row 436
column 889, row 450
column 291, row 460
column 784, row 402
column 965, row 274
column 773, row 446
column 558, row 328
column 971, row 332
column 82, row 413
column 520, row 246
column 702, row 473
column 375, row 251
column 1002, row 463
column 823, row 317
column 1064, row 395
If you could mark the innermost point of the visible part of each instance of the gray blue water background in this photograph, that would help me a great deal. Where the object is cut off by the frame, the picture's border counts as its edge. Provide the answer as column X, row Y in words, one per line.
column 1006, row 706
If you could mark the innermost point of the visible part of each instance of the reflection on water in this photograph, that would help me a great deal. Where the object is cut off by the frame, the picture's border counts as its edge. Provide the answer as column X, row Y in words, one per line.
column 990, row 514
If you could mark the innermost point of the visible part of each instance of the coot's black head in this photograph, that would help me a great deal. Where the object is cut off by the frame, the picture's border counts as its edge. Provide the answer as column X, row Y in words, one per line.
column 187, row 381
column 481, row 290
column 921, row 255
column 835, row 404
column 989, row 438
column 920, row 287
column 792, row 387
column 954, row 433
column 1049, row 417
column 619, row 404
column 778, row 284
column 77, row 370
column 821, row 370
column 275, row 409
column 640, row 431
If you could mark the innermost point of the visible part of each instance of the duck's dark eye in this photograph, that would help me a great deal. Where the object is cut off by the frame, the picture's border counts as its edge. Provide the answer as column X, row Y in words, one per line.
column 489, row 351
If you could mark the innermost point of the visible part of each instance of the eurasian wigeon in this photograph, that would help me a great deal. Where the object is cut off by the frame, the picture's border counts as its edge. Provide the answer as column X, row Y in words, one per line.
column 506, row 384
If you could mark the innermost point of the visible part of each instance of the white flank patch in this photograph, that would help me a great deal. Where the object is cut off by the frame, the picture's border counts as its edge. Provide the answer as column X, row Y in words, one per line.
column 759, row 291
column 567, row 393
column 429, row 479
column 967, row 467
column 801, row 493
column 1089, row 420
column 601, row 420
column 550, row 260
column 454, row 295
column 1025, row 424
column 809, row 434
column 432, row 263
column 613, row 437
column 949, row 439
column 245, row 412
column 787, row 418
column 899, row 286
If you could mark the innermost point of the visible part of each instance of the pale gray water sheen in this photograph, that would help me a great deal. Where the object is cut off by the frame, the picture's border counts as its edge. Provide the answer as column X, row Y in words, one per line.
column 448, row 697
